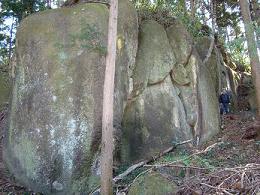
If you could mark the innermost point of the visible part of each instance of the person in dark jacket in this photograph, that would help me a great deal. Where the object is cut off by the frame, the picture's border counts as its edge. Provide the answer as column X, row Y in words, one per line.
column 224, row 100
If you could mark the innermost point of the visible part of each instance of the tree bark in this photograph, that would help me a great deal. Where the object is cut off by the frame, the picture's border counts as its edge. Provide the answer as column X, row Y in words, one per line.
column 203, row 13
column 252, row 49
column 193, row 8
column 256, row 18
column 10, row 50
column 213, row 17
column 48, row 2
column 183, row 5
column 108, row 99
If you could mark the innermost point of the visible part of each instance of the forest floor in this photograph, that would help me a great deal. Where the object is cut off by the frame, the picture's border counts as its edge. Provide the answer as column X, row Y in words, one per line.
column 232, row 158
column 227, row 164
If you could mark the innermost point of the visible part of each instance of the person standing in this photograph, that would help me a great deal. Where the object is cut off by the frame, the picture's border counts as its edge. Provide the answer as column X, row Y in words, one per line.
column 224, row 100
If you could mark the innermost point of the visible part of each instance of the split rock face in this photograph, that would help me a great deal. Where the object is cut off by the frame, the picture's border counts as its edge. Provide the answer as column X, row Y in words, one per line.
column 163, row 94
column 174, row 97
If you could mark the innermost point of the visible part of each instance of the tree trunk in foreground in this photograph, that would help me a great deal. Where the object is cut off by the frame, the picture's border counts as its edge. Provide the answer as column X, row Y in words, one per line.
column 252, row 50
column 10, row 50
column 108, row 99
column 193, row 8
column 256, row 13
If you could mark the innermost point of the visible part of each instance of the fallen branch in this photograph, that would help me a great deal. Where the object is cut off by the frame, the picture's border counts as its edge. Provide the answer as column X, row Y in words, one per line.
column 222, row 189
column 194, row 154
column 141, row 164
column 178, row 166
column 245, row 179
column 128, row 171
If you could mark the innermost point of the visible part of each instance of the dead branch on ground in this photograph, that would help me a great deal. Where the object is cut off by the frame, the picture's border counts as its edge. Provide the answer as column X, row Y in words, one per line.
column 142, row 163
column 236, row 180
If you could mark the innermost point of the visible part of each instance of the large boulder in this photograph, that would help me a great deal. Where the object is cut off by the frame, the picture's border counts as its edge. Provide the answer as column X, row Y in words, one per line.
column 199, row 96
column 214, row 61
column 181, row 41
column 221, row 69
column 154, row 58
column 246, row 93
column 154, row 116
column 209, row 86
column 152, row 183
column 179, row 104
column 153, row 122
column 208, row 102
column 232, row 77
column 184, row 74
column 54, row 133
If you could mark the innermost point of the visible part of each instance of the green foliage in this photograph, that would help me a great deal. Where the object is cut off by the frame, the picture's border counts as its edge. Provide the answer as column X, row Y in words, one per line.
column 183, row 157
column 12, row 13
column 227, row 13
column 236, row 48
column 193, row 24
column 89, row 38
column 166, row 11
column 161, row 15
column 3, row 49
column 22, row 8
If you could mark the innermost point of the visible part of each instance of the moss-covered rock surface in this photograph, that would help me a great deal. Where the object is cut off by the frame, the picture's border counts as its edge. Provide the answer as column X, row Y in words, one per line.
column 152, row 184
column 164, row 94
column 53, row 141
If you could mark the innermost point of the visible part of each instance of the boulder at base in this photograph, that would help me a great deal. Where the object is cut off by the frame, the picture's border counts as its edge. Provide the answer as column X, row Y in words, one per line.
column 52, row 144
column 152, row 184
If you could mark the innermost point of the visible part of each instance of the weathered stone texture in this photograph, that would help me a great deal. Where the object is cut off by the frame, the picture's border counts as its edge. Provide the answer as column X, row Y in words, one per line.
column 152, row 184
column 55, row 128
column 161, row 88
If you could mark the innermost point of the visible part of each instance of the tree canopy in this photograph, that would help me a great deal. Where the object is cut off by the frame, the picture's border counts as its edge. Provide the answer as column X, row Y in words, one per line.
column 195, row 14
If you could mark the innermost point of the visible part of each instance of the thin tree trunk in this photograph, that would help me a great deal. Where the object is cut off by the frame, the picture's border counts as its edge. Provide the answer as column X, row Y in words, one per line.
column 227, row 36
column 108, row 99
column 252, row 49
column 256, row 18
column 60, row 3
column 213, row 16
column 183, row 5
column 256, row 11
column 10, row 41
column 48, row 3
column 203, row 13
column 193, row 8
